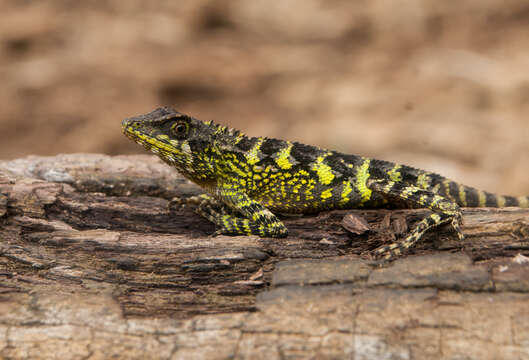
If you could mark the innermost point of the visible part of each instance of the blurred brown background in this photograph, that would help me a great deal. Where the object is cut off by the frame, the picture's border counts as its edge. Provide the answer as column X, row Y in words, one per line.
column 441, row 85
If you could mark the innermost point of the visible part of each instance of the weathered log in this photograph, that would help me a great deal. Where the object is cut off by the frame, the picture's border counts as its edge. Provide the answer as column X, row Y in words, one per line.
column 95, row 264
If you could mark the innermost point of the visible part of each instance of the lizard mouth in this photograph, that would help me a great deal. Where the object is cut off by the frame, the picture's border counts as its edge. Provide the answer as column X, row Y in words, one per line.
column 149, row 141
column 133, row 134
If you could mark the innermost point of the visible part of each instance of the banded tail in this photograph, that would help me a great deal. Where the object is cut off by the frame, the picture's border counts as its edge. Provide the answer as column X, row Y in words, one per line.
column 467, row 196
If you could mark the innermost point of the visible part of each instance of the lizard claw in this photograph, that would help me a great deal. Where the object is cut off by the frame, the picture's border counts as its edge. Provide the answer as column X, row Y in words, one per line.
column 176, row 204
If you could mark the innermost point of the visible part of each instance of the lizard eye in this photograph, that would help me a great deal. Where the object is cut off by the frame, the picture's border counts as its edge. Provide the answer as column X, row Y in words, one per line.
column 179, row 129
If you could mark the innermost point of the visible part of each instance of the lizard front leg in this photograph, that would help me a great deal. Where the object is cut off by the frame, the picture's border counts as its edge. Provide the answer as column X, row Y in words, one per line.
column 445, row 210
column 235, row 213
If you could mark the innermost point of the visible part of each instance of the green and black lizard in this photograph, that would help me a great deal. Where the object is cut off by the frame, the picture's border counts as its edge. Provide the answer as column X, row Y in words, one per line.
column 249, row 179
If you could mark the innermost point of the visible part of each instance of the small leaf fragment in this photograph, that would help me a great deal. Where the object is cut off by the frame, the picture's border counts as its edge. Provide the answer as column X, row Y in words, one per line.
column 355, row 224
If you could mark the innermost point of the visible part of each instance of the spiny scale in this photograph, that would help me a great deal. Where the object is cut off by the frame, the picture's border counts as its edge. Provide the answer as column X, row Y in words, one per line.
column 248, row 179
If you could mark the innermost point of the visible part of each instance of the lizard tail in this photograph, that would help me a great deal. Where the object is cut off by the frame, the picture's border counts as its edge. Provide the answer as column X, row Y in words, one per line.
column 467, row 196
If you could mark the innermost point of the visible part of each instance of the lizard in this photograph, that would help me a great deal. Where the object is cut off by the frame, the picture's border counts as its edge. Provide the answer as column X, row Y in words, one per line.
column 250, row 180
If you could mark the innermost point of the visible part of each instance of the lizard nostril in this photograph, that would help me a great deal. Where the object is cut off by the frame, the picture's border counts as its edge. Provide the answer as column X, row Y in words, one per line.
column 130, row 123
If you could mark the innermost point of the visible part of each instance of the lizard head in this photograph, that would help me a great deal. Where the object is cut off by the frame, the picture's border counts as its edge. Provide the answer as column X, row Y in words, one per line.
column 178, row 139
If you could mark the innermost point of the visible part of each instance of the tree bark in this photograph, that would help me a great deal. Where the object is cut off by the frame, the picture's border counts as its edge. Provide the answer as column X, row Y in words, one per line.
column 94, row 263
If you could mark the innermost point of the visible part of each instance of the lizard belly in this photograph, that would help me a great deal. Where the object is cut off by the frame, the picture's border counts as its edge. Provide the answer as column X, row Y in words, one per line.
column 310, row 198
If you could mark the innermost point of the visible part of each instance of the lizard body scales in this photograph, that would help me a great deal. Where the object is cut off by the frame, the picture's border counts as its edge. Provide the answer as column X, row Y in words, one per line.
column 250, row 179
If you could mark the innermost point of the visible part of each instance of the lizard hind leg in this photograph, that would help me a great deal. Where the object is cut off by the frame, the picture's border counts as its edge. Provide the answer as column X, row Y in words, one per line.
column 445, row 210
